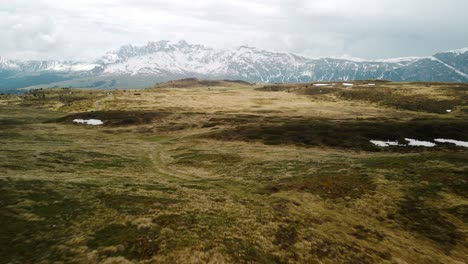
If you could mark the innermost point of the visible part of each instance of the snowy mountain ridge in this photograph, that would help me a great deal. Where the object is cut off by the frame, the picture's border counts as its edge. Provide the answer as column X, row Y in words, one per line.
column 139, row 66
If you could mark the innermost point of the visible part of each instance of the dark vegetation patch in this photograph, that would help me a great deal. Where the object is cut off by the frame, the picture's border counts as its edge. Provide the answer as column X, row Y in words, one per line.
column 238, row 82
column 328, row 185
column 173, row 126
column 301, row 88
column 205, row 224
column 235, row 120
column 69, row 161
column 266, row 172
column 340, row 252
column 280, row 209
column 278, row 88
column 32, row 241
column 136, row 243
column 286, row 236
column 425, row 176
column 444, row 171
column 117, row 118
column 417, row 216
column 317, row 90
column 136, row 204
column 11, row 122
column 310, row 88
column 459, row 87
column 66, row 96
column 363, row 233
column 82, row 159
column 205, row 228
column 245, row 251
column 347, row 134
column 194, row 82
column 460, row 211
column 388, row 97
column 152, row 187
column 9, row 135
column 196, row 186
column 20, row 117
column 198, row 157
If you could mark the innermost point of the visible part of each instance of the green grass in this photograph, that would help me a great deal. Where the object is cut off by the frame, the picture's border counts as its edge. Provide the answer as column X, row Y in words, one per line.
column 388, row 97
column 417, row 216
column 35, row 240
column 244, row 251
column 193, row 157
column 135, row 243
column 316, row 192
column 331, row 185
column 136, row 204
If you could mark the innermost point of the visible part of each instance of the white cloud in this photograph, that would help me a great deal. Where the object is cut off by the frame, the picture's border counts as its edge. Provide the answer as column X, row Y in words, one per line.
column 84, row 29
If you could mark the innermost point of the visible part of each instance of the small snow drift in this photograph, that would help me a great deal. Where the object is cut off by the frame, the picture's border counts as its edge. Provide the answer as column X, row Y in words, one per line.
column 418, row 143
column 448, row 111
column 458, row 143
column 348, row 84
column 92, row 122
column 321, row 84
column 387, row 143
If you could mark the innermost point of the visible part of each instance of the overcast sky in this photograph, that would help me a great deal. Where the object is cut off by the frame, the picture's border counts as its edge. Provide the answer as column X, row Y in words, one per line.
column 84, row 29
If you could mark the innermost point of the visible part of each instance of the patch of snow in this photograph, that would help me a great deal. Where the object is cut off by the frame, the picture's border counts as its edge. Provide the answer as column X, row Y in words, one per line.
column 83, row 67
column 448, row 111
column 7, row 64
column 459, row 51
column 418, row 143
column 321, row 84
column 371, row 84
column 347, row 57
column 307, row 73
column 456, row 142
column 399, row 60
column 385, row 143
column 92, row 122
column 69, row 67
column 348, row 84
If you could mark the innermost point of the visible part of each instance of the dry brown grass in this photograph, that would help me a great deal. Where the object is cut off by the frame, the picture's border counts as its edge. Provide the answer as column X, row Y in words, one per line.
column 153, row 190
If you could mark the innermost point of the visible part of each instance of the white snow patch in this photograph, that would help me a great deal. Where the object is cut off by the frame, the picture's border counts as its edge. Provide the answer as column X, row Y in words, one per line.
column 399, row 60
column 448, row 111
column 92, row 122
column 83, row 67
column 348, row 84
column 459, row 51
column 307, row 73
column 456, row 142
column 385, row 143
column 371, row 84
column 418, row 143
column 321, row 84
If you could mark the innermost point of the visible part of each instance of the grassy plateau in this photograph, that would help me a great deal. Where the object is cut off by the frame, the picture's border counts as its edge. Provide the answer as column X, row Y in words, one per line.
column 229, row 172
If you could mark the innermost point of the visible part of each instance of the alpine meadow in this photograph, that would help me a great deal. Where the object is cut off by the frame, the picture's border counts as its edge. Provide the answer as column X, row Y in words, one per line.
column 263, row 138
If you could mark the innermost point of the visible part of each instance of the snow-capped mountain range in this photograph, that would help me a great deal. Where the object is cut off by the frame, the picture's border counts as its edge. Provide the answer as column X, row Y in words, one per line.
column 142, row 66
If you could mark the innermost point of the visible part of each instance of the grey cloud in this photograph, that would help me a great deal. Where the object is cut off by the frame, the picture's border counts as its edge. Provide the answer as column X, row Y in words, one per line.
column 361, row 28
